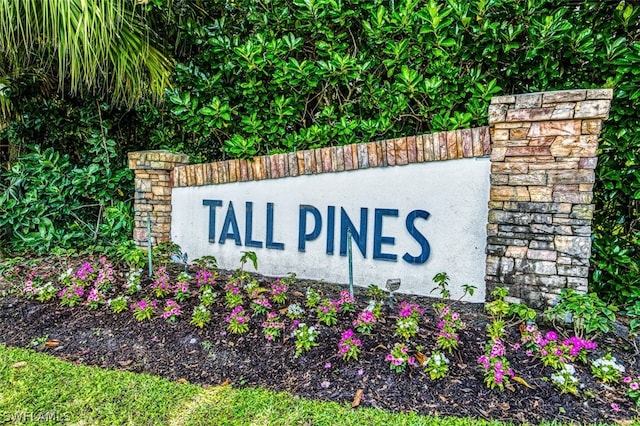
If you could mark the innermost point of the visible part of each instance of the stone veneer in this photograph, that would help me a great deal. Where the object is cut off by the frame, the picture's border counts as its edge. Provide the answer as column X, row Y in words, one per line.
column 542, row 173
column 153, row 182
column 543, row 153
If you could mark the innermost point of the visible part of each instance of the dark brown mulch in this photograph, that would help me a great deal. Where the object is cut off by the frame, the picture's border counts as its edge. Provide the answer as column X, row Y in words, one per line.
column 212, row 355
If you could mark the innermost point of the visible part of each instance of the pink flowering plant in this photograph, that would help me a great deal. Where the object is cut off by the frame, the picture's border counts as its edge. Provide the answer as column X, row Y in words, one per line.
column 448, row 326
column 237, row 321
column 272, row 326
column 327, row 312
column 530, row 337
column 181, row 288
column 633, row 389
column 365, row 321
column 553, row 352
column 577, row 347
column 306, row 337
column 279, row 292
column 205, row 278
column 71, row 295
column 37, row 288
column 161, row 283
column 495, row 366
column 172, row 311
column 233, row 295
column 409, row 315
column 346, row 302
column 399, row 358
column 84, row 275
column 105, row 276
column 95, row 298
column 200, row 316
column 349, row 345
column 261, row 305
column 143, row 309
column 410, row 310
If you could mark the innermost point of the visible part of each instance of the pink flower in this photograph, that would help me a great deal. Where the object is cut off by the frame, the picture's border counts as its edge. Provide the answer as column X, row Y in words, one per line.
column 634, row 386
column 627, row 379
column 615, row 407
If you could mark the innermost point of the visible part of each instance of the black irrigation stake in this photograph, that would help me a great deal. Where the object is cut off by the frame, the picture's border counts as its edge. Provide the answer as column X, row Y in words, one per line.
column 149, row 245
column 350, row 256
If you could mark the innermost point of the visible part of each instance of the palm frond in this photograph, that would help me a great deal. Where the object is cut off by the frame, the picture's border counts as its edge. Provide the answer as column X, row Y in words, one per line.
column 95, row 46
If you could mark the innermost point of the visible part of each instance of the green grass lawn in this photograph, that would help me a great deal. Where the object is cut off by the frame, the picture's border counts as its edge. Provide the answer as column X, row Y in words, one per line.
column 39, row 389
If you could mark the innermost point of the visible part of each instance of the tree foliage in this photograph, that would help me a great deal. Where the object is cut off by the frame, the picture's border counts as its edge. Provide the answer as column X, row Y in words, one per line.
column 86, row 46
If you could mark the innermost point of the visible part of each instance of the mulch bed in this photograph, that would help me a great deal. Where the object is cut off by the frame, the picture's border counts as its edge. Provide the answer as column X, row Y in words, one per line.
column 212, row 356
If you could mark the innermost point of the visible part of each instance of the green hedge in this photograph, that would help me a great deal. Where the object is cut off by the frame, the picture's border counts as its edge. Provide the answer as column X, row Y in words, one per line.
column 295, row 74
column 281, row 75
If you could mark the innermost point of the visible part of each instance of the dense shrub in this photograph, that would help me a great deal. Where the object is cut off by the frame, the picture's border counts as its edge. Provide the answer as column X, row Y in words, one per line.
column 70, row 192
column 264, row 77
column 296, row 74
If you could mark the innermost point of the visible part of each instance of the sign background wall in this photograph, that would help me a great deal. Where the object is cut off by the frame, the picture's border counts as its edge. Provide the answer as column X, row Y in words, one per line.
column 454, row 192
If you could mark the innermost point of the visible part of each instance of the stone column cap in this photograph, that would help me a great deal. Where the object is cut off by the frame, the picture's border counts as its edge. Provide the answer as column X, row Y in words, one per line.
column 555, row 105
column 159, row 159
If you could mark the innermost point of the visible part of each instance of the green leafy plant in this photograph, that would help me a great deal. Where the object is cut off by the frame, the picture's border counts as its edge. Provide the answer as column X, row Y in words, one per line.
column 588, row 314
column 313, row 298
column 306, row 338
column 249, row 256
column 437, row 365
column 201, row 316
column 607, row 369
column 118, row 304
column 375, row 292
column 564, row 378
column 164, row 252
column 132, row 255
column 209, row 263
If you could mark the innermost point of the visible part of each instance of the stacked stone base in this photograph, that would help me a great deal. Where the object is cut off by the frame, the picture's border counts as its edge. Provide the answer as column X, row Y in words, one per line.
column 543, row 159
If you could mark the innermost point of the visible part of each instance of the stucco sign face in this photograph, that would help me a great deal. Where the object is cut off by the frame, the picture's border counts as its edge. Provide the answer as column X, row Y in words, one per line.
column 408, row 222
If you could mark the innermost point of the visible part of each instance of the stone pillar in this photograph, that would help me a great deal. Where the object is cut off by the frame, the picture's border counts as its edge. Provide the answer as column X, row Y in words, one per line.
column 542, row 173
column 153, row 182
